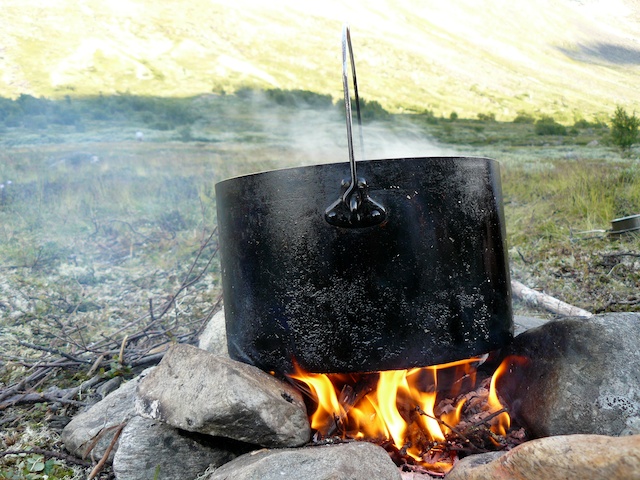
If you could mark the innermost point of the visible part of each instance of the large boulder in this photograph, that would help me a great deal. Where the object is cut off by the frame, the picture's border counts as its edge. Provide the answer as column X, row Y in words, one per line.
column 577, row 375
column 214, row 336
column 151, row 449
column 198, row 391
column 580, row 457
column 100, row 422
column 347, row 461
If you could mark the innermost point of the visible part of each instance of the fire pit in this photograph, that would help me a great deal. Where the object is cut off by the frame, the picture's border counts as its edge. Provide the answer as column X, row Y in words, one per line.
column 350, row 279
column 425, row 417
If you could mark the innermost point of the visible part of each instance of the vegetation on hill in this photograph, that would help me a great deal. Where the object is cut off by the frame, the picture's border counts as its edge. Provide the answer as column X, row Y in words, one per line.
column 561, row 58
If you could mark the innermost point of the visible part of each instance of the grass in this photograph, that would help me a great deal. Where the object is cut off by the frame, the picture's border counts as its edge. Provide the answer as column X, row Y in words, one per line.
column 95, row 225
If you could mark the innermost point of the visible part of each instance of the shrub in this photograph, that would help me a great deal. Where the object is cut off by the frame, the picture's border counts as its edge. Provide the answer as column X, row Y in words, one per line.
column 429, row 117
column 453, row 117
column 624, row 128
column 523, row 117
column 299, row 98
column 8, row 109
column 487, row 117
column 371, row 110
column 582, row 123
column 546, row 125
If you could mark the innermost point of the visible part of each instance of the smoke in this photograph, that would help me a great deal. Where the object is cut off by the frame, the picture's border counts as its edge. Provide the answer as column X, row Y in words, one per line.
column 319, row 135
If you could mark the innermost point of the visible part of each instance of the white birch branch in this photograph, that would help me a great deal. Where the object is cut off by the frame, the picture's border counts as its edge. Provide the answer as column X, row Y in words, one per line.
column 543, row 301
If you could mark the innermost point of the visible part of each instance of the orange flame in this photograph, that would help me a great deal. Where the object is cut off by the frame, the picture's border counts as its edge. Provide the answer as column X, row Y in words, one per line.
column 402, row 407
column 503, row 420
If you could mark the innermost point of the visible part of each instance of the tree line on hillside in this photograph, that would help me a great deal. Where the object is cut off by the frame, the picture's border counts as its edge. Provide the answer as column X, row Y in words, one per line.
column 34, row 113
column 160, row 113
column 170, row 113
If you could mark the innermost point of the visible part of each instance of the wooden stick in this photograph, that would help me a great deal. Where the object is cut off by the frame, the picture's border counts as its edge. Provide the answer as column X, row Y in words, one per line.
column 48, row 453
column 122, row 345
column 541, row 300
column 105, row 457
column 28, row 398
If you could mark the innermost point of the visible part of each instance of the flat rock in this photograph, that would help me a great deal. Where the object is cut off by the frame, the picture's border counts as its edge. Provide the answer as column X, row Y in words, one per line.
column 151, row 449
column 523, row 323
column 116, row 408
column 580, row 376
column 214, row 336
column 347, row 461
column 566, row 457
column 198, row 391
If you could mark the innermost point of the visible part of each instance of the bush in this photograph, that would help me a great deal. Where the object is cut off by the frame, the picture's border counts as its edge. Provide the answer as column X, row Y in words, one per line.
column 582, row 123
column 624, row 128
column 299, row 98
column 429, row 117
column 487, row 117
column 546, row 125
column 523, row 117
column 371, row 110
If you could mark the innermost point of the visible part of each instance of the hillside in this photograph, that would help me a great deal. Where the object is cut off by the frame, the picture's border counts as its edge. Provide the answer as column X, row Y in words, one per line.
column 568, row 58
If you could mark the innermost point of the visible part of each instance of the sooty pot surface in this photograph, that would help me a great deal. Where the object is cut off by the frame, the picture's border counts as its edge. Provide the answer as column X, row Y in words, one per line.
column 425, row 284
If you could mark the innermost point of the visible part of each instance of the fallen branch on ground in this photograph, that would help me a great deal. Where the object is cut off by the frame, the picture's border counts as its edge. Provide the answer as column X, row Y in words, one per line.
column 543, row 301
column 48, row 454
column 140, row 343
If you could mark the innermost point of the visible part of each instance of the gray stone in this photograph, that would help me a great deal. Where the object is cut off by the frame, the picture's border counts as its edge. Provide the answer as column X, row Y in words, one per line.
column 214, row 336
column 151, row 449
column 523, row 323
column 101, row 419
column 565, row 457
column 348, row 461
column 580, row 376
column 200, row 392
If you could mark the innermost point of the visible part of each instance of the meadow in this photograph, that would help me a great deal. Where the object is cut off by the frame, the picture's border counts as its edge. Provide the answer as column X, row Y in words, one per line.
column 107, row 237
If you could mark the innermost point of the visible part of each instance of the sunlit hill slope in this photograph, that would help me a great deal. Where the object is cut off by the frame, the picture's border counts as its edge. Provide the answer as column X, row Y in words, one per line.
column 568, row 58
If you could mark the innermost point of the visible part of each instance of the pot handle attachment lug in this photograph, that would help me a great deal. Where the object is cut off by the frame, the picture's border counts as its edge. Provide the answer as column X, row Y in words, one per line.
column 354, row 208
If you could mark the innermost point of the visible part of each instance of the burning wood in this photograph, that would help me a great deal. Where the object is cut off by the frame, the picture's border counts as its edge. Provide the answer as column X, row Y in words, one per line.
column 426, row 418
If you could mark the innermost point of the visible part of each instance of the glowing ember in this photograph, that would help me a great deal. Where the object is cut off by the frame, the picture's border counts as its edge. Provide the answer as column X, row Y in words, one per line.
column 409, row 412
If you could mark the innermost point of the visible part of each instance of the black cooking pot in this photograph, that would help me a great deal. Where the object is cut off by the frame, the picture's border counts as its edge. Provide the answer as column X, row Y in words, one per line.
column 408, row 269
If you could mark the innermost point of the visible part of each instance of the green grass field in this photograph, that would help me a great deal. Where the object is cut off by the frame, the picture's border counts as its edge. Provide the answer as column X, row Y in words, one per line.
column 99, row 231
column 89, row 204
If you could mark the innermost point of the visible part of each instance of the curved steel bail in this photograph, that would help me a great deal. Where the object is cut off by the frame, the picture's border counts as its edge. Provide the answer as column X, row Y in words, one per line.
column 346, row 45
column 354, row 208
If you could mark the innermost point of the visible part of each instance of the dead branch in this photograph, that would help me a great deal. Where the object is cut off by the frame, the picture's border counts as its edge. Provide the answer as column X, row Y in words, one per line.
column 40, row 373
column 611, row 302
column 186, row 283
column 96, row 470
column 621, row 254
column 443, row 423
column 49, row 454
column 543, row 301
column 30, row 398
column 137, row 344
column 52, row 350
column 488, row 418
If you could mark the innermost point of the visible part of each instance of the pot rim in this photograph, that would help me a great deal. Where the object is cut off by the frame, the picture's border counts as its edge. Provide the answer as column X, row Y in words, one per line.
column 346, row 164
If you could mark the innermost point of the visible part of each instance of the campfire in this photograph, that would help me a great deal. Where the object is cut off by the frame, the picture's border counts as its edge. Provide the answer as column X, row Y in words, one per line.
column 386, row 266
column 426, row 418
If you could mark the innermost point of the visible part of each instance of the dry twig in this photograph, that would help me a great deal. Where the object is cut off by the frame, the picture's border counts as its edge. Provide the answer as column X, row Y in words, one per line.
column 96, row 470
column 49, row 454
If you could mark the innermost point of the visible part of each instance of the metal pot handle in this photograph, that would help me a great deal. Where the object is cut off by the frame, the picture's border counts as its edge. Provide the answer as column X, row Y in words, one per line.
column 346, row 43
column 355, row 208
